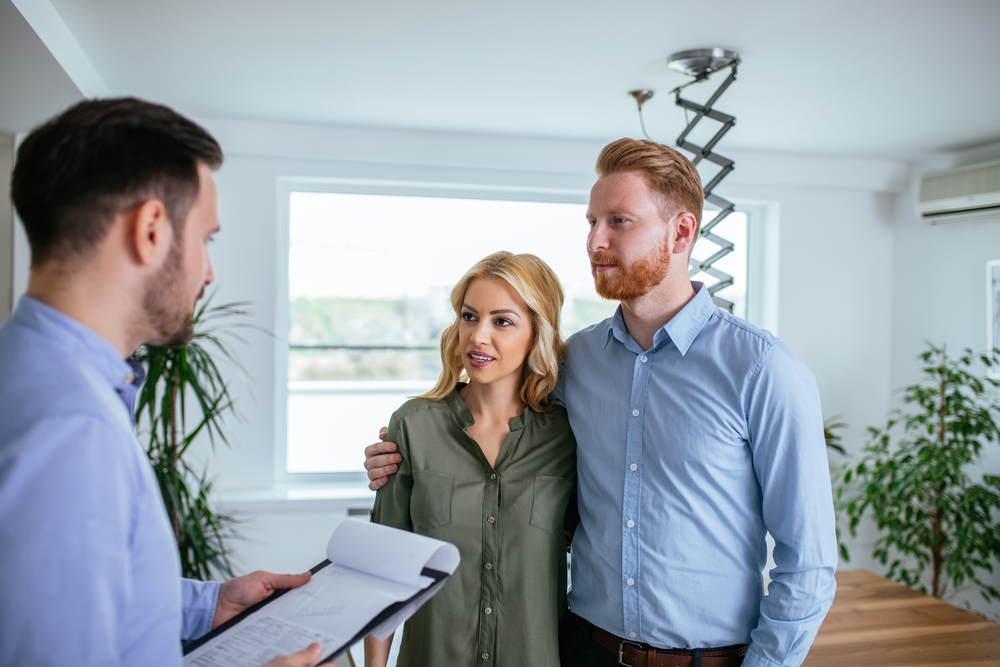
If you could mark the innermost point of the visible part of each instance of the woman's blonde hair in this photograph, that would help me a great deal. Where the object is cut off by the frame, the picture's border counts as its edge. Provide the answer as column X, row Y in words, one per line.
column 536, row 283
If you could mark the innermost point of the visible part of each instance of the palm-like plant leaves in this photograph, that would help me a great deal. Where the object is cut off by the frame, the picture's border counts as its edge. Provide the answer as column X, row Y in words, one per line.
column 174, row 375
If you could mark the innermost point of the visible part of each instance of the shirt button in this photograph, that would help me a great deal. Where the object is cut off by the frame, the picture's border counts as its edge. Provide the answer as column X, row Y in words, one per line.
column 493, row 476
column 643, row 359
column 632, row 635
column 488, row 610
column 490, row 520
column 631, row 523
column 635, row 413
column 630, row 581
column 129, row 378
column 489, row 566
column 486, row 656
column 633, row 467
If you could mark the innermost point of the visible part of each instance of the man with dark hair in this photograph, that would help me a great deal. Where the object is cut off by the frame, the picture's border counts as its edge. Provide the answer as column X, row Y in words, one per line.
column 696, row 434
column 119, row 204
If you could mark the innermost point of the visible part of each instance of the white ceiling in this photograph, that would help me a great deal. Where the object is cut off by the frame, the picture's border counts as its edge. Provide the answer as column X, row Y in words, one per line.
column 33, row 87
column 888, row 78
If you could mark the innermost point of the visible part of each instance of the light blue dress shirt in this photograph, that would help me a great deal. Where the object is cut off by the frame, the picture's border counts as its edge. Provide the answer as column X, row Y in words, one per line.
column 688, row 453
column 89, row 572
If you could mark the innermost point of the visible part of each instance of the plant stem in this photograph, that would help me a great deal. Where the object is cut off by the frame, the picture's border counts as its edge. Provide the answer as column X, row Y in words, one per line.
column 172, row 387
column 938, row 535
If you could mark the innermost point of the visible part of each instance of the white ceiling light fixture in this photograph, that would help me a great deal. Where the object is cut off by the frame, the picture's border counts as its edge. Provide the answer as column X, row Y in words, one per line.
column 701, row 64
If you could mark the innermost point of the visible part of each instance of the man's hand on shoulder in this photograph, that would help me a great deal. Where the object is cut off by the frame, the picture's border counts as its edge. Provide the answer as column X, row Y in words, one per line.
column 244, row 592
column 380, row 462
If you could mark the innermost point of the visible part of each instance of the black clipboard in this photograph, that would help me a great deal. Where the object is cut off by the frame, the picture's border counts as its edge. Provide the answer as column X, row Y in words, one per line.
column 381, row 618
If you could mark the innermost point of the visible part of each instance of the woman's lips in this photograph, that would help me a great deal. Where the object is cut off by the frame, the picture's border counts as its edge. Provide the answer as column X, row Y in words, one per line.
column 479, row 360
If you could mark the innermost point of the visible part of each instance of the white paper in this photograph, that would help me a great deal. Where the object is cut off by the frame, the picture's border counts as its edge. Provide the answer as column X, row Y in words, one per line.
column 372, row 567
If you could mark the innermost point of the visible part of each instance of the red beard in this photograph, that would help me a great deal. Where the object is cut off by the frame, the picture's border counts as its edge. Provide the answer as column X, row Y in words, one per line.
column 633, row 281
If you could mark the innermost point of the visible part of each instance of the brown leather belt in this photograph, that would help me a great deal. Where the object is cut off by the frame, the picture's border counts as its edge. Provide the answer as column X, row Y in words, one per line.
column 636, row 654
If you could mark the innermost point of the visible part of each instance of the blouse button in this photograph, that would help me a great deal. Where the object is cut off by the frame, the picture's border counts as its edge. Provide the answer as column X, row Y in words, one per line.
column 486, row 656
column 489, row 566
column 493, row 476
column 490, row 520
column 488, row 610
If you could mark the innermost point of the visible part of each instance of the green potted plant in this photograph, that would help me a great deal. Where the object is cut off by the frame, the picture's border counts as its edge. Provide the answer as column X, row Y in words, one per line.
column 938, row 529
column 175, row 375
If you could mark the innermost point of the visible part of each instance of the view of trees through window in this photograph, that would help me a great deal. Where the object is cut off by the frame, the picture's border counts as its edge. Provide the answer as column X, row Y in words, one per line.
column 370, row 278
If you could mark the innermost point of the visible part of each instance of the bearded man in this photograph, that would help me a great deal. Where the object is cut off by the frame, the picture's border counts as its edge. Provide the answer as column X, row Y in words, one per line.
column 119, row 205
column 697, row 433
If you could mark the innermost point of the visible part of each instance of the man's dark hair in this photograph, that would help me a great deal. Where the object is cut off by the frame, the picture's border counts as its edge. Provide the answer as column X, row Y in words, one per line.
column 100, row 158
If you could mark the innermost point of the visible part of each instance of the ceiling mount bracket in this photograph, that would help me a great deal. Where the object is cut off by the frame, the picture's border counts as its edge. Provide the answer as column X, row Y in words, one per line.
column 701, row 64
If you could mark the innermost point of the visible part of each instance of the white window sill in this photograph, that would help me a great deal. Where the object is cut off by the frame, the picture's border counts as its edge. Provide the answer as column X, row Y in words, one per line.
column 300, row 498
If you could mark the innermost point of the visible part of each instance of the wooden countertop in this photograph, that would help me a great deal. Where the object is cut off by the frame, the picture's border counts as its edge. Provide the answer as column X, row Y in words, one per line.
column 875, row 621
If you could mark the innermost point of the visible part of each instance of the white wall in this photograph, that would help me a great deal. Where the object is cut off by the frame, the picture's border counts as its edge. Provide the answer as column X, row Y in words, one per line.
column 6, row 226
column 835, row 256
column 939, row 290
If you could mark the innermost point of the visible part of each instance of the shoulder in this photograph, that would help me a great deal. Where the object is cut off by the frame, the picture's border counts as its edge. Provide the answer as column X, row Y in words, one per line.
column 419, row 407
column 40, row 379
column 556, row 418
column 595, row 333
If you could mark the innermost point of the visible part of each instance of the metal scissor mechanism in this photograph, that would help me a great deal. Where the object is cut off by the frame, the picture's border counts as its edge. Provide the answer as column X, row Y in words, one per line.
column 701, row 64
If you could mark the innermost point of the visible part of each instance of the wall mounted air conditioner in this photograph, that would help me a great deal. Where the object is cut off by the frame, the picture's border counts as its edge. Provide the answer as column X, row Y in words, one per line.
column 960, row 194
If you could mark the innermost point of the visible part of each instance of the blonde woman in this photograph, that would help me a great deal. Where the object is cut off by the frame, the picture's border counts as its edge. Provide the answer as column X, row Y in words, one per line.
column 489, row 465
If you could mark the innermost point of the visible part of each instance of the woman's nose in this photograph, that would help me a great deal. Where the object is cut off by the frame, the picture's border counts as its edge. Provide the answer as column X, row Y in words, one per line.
column 480, row 334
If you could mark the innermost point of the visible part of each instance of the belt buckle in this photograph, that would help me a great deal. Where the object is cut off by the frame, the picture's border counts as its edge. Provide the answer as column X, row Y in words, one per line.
column 621, row 645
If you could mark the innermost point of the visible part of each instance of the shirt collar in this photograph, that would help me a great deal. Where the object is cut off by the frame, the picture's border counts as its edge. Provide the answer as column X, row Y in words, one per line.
column 124, row 375
column 682, row 328
column 464, row 414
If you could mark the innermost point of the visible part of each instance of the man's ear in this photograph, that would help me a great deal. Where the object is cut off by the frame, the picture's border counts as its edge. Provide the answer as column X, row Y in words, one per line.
column 151, row 233
column 685, row 232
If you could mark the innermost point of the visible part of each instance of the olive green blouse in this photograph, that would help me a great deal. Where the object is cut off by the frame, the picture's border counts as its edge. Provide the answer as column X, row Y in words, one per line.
column 503, row 605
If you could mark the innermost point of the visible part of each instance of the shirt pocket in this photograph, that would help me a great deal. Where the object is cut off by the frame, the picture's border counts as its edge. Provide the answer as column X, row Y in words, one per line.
column 430, row 502
column 548, row 506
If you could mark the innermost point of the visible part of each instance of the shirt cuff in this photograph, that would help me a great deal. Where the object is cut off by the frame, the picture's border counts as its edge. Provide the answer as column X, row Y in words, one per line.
column 198, row 605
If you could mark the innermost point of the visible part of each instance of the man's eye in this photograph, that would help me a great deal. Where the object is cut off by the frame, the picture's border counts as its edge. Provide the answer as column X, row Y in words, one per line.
column 618, row 221
column 592, row 222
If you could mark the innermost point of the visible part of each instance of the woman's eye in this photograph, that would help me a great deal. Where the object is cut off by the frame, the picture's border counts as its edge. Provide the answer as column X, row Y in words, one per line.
column 504, row 322
column 468, row 317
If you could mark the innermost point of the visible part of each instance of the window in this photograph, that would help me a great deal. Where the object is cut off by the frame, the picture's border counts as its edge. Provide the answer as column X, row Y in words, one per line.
column 369, row 280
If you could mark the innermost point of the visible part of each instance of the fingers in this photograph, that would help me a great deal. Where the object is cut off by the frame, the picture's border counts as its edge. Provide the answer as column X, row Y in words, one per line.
column 379, row 448
column 307, row 657
column 381, row 433
column 378, row 483
column 288, row 580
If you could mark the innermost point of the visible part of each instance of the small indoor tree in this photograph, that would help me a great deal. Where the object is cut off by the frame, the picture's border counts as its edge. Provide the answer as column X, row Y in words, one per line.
column 174, row 376
column 939, row 528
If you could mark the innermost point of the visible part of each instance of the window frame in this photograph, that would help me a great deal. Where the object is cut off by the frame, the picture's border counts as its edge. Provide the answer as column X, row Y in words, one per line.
column 412, row 188
column 762, row 275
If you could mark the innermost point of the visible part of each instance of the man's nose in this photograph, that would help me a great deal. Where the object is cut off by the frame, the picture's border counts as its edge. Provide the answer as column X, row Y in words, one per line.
column 597, row 239
column 210, row 274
